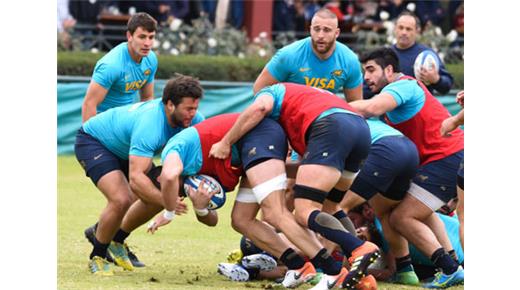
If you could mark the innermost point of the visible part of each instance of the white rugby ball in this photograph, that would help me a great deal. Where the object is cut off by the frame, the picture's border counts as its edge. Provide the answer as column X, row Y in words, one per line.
column 218, row 200
column 426, row 59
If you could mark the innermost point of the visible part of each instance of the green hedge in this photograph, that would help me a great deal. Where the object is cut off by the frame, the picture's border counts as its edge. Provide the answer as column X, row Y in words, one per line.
column 209, row 68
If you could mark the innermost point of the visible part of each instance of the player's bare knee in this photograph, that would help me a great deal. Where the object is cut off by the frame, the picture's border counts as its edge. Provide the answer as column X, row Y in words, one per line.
column 121, row 202
column 301, row 217
column 396, row 219
column 239, row 224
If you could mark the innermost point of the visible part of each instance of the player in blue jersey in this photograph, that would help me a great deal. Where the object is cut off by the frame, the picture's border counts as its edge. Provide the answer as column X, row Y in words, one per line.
column 319, row 61
column 408, row 106
column 116, row 148
column 372, row 230
column 127, row 69
column 384, row 180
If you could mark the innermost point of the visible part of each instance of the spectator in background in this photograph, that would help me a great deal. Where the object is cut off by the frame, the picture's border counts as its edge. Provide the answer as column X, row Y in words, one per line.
column 406, row 31
column 310, row 8
column 209, row 8
column 65, row 23
column 87, row 13
column 299, row 16
column 283, row 15
column 392, row 7
column 236, row 16
column 458, row 24
column 157, row 9
column 429, row 12
column 178, row 8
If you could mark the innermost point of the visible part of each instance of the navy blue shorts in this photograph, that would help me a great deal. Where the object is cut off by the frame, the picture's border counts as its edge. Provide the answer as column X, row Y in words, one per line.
column 95, row 158
column 265, row 141
column 388, row 170
column 460, row 175
column 338, row 140
column 437, row 180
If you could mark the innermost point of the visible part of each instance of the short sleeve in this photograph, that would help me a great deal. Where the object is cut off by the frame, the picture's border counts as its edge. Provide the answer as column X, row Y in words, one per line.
column 278, row 65
column 105, row 75
column 354, row 75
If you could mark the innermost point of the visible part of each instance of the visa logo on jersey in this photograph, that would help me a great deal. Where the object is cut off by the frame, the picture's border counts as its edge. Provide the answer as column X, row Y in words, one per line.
column 322, row 83
column 135, row 85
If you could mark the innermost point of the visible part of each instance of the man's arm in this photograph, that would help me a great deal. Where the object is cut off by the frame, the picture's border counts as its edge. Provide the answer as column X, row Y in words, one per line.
column 441, row 81
column 354, row 94
column 95, row 95
column 140, row 183
column 376, row 106
column 452, row 123
column 169, row 179
column 146, row 92
column 247, row 120
column 263, row 80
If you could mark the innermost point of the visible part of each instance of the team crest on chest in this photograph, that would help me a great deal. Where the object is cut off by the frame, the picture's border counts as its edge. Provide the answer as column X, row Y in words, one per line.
column 147, row 72
column 337, row 73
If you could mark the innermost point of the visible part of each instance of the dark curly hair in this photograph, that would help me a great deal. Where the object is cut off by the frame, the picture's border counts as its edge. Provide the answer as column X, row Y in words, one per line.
column 383, row 57
column 181, row 86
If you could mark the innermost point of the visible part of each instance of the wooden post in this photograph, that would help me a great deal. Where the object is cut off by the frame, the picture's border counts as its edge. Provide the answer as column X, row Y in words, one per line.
column 258, row 17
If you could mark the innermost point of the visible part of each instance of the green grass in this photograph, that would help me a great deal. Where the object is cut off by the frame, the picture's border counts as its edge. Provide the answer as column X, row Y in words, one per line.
column 181, row 255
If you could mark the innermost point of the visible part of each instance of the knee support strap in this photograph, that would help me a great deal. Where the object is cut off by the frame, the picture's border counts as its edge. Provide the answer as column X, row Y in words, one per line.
column 302, row 191
column 262, row 190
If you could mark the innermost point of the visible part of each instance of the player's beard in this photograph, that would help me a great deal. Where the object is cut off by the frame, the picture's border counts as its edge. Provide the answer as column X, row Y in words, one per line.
column 177, row 122
column 328, row 47
column 383, row 82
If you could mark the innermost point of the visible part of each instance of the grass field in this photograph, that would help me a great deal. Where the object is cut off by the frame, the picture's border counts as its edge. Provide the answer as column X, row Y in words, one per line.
column 182, row 255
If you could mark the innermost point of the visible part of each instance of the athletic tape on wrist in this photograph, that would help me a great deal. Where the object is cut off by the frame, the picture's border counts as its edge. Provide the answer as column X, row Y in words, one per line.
column 169, row 215
column 201, row 212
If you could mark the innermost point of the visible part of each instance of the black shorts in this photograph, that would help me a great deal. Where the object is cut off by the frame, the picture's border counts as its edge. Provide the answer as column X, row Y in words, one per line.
column 95, row 158
column 388, row 170
column 265, row 141
column 339, row 140
column 460, row 175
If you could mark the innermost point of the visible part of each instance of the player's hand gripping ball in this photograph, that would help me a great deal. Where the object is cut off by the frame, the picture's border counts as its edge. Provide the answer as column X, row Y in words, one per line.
column 218, row 199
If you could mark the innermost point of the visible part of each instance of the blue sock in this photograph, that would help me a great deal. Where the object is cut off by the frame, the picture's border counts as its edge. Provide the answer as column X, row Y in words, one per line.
column 324, row 261
column 330, row 228
column 442, row 260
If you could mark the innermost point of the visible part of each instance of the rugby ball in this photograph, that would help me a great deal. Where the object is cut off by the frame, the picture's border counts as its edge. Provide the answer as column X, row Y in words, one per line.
column 218, row 200
column 426, row 59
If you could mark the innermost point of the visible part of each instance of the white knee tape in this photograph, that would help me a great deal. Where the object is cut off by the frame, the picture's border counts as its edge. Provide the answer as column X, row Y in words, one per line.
column 349, row 175
column 245, row 195
column 261, row 191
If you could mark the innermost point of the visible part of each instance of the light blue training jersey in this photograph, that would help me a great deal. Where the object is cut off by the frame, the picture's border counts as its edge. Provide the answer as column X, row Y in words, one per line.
column 187, row 145
column 139, row 129
column 297, row 63
column 122, row 76
column 451, row 225
column 410, row 99
column 379, row 129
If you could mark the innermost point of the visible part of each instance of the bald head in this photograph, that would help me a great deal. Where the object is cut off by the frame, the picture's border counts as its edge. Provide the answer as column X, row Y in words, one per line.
column 326, row 14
